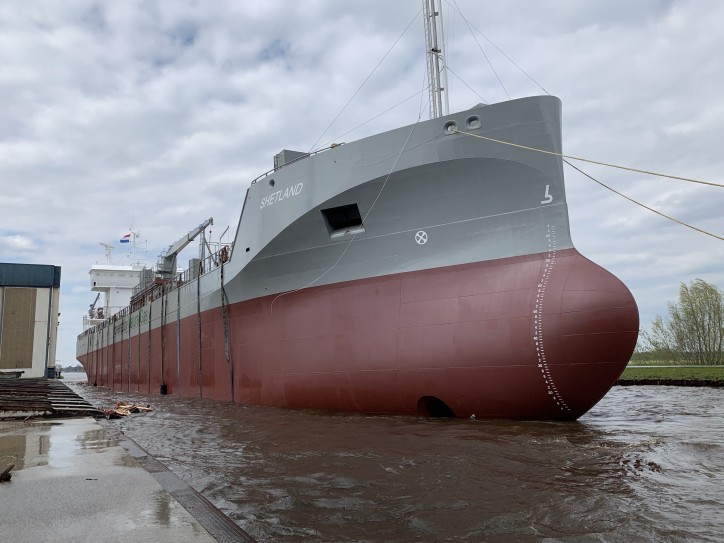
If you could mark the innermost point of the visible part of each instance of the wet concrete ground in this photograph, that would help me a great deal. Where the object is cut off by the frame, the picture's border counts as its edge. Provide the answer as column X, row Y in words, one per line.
column 73, row 481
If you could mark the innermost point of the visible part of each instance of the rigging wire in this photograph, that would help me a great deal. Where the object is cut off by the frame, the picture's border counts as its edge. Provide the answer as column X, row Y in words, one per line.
column 364, row 219
column 498, row 48
column 365, row 81
column 376, row 116
column 450, row 51
column 465, row 83
column 481, row 50
column 682, row 223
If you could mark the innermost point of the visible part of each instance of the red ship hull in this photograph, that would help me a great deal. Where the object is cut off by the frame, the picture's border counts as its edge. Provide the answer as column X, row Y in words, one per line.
column 541, row 336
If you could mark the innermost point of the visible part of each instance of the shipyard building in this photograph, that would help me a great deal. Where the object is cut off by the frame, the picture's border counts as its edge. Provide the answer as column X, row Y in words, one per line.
column 29, row 295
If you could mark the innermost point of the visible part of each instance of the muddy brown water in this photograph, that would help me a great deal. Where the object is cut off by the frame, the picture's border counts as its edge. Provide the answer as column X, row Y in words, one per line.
column 646, row 464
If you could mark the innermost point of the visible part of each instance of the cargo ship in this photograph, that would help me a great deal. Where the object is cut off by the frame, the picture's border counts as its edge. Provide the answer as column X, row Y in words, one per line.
column 418, row 271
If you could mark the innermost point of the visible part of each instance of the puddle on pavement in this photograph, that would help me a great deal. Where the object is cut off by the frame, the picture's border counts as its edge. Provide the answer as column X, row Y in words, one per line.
column 55, row 444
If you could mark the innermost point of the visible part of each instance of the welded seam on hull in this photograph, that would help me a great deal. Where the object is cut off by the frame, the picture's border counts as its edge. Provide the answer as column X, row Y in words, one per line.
column 138, row 343
column 549, row 264
column 112, row 346
column 129, row 355
column 178, row 341
column 198, row 331
column 227, row 342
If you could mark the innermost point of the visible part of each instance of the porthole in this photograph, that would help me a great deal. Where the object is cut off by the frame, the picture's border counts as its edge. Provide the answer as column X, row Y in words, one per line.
column 271, row 183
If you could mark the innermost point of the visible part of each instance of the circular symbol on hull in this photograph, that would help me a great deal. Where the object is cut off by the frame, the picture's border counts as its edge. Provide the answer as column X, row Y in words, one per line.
column 421, row 237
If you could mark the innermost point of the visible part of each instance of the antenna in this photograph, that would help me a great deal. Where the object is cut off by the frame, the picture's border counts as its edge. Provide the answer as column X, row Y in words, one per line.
column 135, row 234
column 108, row 248
column 436, row 66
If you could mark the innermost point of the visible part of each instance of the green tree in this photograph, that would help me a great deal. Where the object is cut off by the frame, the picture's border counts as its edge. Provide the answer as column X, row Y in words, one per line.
column 693, row 331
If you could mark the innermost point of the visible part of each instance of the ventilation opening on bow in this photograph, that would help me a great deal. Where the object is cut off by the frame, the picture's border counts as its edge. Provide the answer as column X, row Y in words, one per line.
column 343, row 221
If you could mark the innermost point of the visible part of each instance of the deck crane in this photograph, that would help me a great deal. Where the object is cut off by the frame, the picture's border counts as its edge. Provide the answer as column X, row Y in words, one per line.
column 166, row 265
column 92, row 311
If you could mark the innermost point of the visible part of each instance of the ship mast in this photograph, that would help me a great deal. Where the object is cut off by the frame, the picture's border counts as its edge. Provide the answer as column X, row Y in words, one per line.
column 436, row 67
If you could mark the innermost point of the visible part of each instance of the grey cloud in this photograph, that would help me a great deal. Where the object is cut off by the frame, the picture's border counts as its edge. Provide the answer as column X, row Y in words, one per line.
column 160, row 113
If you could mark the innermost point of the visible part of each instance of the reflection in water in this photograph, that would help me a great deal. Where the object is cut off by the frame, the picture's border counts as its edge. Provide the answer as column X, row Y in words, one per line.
column 62, row 447
column 644, row 465
column 74, row 377
column 96, row 439
column 45, row 443
column 163, row 508
column 22, row 447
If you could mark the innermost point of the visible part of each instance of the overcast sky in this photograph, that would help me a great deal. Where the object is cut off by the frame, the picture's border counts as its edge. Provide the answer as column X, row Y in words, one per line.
column 159, row 114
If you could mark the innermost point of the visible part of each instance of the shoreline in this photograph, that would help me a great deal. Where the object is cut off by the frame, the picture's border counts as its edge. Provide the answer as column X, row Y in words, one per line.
column 671, row 382
column 681, row 375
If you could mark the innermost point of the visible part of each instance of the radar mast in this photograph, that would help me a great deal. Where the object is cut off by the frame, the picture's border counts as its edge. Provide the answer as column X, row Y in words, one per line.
column 436, row 67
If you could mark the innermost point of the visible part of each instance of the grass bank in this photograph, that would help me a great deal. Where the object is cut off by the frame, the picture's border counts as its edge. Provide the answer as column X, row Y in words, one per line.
column 705, row 374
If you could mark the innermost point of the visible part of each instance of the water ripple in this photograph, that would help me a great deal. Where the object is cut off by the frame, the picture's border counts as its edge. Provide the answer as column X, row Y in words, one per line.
column 643, row 465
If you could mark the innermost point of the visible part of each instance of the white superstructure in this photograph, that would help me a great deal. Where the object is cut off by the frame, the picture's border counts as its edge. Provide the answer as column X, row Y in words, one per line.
column 116, row 283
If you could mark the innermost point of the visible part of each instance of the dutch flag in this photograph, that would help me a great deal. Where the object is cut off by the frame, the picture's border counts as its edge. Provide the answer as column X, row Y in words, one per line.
column 126, row 238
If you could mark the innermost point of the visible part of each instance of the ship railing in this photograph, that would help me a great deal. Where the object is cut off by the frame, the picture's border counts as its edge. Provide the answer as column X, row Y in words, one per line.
column 306, row 155
column 90, row 321
column 102, row 313
column 153, row 290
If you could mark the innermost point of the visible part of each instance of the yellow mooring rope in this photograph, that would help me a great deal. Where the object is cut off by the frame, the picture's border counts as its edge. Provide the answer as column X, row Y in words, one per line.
column 606, row 186
column 589, row 160
column 644, row 205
